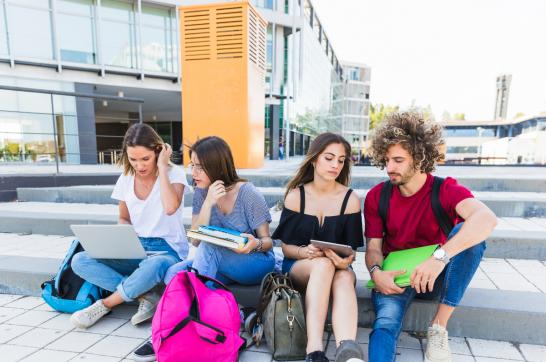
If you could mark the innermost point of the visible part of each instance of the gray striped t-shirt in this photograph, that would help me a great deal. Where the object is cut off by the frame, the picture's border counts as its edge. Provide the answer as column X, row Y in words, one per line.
column 249, row 212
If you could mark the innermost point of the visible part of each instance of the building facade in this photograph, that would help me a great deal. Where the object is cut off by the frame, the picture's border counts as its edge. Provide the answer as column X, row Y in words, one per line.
column 351, row 104
column 123, row 56
column 488, row 141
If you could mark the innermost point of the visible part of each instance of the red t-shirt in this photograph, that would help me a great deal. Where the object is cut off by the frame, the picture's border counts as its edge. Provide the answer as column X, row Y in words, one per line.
column 410, row 220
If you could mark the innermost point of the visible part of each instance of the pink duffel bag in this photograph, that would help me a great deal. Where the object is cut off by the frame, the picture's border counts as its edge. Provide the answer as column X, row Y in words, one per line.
column 195, row 323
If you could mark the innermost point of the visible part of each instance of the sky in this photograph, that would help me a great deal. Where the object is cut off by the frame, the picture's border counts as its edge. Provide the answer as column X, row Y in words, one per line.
column 444, row 53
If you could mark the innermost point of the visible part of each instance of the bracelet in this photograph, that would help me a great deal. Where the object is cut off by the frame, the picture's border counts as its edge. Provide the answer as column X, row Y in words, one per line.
column 374, row 268
column 259, row 246
column 299, row 248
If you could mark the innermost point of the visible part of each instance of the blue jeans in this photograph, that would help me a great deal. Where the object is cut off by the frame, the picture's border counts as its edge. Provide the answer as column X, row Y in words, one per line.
column 227, row 266
column 448, row 289
column 130, row 277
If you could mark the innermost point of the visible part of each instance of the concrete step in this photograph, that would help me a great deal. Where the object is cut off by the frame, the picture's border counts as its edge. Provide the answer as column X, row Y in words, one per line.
column 505, row 297
column 508, row 179
column 503, row 204
column 513, row 238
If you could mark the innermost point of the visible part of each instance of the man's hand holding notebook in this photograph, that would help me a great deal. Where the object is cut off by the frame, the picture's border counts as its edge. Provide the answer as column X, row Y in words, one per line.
column 402, row 264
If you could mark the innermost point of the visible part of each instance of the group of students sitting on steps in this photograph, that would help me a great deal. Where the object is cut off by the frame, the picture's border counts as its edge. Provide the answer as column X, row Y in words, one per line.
column 319, row 205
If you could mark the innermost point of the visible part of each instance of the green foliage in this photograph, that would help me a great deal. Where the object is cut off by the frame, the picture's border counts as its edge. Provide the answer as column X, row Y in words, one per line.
column 459, row 116
column 378, row 113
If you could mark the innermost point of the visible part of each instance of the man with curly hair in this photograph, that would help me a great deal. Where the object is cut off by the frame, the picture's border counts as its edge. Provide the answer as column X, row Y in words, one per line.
column 409, row 147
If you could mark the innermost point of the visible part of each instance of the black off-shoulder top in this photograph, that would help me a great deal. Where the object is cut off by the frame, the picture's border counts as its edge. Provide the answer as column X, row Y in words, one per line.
column 298, row 228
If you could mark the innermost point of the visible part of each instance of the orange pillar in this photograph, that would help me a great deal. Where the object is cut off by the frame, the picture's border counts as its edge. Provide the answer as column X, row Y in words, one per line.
column 223, row 70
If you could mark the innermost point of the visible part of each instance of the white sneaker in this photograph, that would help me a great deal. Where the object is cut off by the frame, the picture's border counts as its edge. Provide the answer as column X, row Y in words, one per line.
column 146, row 307
column 438, row 345
column 85, row 318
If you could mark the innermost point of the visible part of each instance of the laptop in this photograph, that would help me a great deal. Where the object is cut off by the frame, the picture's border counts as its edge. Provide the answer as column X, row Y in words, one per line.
column 118, row 241
column 405, row 260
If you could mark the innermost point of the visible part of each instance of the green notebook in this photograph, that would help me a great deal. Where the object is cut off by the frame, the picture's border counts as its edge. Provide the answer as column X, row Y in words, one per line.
column 405, row 260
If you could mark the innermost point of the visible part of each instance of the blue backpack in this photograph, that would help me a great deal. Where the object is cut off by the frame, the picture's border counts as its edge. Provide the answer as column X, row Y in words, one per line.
column 67, row 292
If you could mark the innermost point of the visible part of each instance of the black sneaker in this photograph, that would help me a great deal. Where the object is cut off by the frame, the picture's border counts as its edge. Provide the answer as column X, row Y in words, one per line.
column 317, row 356
column 144, row 353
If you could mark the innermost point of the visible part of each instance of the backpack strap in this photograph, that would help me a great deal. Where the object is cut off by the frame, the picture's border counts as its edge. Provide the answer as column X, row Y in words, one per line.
column 345, row 201
column 384, row 203
column 195, row 316
column 302, row 200
column 441, row 215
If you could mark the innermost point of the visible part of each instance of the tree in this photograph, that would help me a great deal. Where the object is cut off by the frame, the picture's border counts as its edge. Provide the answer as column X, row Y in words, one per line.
column 446, row 116
column 519, row 114
column 378, row 113
column 459, row 116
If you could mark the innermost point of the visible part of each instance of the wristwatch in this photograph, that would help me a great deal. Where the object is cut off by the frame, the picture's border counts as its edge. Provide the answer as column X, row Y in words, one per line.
column 441, row 255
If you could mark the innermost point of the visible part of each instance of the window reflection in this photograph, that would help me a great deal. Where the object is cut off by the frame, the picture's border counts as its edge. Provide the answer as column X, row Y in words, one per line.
column 30, row 29
column 3, row 33
column 118, row 42
column 76, row 31
column 156, row 39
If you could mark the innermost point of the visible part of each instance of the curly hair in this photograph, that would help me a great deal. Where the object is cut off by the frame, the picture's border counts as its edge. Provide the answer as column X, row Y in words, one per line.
column 421, row 137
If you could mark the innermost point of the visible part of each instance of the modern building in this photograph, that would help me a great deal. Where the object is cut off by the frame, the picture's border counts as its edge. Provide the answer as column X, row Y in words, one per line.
column 126, row 50
column 351, row 105
column 501, row 99
column 466, row 140
column 103, row 60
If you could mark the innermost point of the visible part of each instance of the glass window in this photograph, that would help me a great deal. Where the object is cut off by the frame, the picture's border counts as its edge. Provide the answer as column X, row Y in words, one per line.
column 76, row 7
column 76, row 31
column 25, row 102
column 118, row 42
column 268, row 4
column 26, row 137
column 462, row 149
column 3, row 33
column 269, row 50
column 156, row 39
column 44, row 4
column 117, row 10
column 30, row 29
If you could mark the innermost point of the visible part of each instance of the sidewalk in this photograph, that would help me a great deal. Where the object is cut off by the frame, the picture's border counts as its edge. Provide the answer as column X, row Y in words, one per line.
column 31, row 331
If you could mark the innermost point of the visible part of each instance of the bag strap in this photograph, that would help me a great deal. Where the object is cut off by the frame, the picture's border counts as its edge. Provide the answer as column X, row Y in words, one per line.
column 384, row 203
column 205, row 278
column 270, row 283
column 194, row 315
column 441, row 215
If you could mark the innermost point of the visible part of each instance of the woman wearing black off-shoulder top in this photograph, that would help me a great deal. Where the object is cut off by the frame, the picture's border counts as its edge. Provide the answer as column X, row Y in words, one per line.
column 319, row 205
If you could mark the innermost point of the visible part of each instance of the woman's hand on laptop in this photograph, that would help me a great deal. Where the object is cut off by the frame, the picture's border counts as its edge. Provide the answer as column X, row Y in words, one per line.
column 384, row 281
column 424, row 275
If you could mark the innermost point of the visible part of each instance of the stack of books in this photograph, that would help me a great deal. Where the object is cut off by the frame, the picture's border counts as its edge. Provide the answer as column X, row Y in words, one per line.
column 219, row 236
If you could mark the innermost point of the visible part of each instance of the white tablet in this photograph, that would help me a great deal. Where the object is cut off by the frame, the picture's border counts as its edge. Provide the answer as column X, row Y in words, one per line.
column 341, row 250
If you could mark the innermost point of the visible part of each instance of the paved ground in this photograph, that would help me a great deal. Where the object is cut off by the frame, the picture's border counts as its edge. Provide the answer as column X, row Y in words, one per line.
column 31, row 331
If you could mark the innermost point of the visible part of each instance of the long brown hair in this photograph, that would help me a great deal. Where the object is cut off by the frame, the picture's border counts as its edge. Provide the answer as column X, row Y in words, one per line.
column 306, row 170
column 139, row 134
column 216, row 160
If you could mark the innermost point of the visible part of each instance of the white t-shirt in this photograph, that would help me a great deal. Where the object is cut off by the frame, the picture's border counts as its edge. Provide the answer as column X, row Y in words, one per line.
column 148, row 216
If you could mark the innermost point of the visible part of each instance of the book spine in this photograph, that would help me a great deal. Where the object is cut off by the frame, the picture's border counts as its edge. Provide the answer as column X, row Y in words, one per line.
column 221, row 234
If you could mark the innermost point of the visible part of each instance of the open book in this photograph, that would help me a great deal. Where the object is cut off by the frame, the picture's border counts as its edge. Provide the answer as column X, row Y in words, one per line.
column 219, row 236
